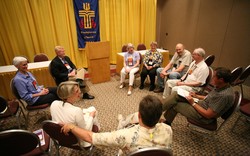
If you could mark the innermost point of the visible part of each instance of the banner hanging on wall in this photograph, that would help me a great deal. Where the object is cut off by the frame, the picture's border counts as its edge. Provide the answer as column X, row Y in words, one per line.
column 87, row 21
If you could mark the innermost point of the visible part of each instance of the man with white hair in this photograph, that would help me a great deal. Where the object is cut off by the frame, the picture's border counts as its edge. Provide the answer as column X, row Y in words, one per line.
column 194, row 78
column 62, row 69
column 27, row 86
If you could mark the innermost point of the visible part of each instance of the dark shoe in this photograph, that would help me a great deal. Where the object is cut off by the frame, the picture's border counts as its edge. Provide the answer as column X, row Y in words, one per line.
column 80, row 81
column 152, row 87
column 87, row 96
column 141, row 87
column 167, row 123
column 159, row 90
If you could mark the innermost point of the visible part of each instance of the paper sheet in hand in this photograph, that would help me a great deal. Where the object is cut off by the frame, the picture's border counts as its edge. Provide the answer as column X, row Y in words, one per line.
column 87, row 111
column 185, row 93
column 40, row 135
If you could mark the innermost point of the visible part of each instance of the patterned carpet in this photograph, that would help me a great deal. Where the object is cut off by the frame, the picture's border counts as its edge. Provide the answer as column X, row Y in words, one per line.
column 111, row 101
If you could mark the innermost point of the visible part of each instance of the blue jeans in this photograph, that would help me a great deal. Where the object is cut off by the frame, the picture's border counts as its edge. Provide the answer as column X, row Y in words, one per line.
column 160, row 80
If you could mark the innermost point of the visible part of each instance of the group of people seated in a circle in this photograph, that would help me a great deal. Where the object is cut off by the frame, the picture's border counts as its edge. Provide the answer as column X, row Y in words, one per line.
column 149, row 129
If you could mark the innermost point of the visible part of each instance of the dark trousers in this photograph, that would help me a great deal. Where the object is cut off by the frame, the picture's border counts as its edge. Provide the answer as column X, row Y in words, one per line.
column 48, row 98
column 151, row 73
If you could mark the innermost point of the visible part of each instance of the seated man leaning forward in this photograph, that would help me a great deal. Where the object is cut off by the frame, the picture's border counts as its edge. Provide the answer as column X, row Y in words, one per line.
column 62, row 69
column 148, row 133
column 209, row 107
column 176, row 68
column 27, row 86
column 64, row 110
column 194, row 78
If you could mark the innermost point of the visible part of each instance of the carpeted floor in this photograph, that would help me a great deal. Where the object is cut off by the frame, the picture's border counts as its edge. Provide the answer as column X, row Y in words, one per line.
column 111, row 101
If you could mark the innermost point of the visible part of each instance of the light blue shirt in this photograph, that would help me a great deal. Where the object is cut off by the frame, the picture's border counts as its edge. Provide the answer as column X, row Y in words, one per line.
column 26, row 85
column 135, row 56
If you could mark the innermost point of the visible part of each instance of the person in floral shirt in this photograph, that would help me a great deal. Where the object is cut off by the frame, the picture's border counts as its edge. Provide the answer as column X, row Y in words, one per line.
column 148, row 133
column 151, row 61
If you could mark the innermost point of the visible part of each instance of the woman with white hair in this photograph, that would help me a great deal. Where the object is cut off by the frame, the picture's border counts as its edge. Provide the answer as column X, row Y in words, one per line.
column 131, row 65
column 27, row 86
column 64, row 111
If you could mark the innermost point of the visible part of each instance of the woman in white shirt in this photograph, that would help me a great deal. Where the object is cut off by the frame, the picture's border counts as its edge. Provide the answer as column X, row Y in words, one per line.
column 64, row 110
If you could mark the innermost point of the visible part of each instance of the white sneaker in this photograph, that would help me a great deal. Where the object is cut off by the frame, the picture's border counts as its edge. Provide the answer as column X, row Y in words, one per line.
column 129, row 92
column 121, row 86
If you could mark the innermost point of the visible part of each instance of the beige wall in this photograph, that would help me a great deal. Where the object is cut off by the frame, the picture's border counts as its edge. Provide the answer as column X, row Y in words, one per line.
column 221, row 27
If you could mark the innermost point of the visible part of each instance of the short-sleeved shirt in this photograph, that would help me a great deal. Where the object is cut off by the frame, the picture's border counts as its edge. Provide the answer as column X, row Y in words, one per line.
column 136, row 137
column 131, row 59
column 65, row 112
column 26, row 85
column 219, row 100
column 185, row 59
column 197, row 72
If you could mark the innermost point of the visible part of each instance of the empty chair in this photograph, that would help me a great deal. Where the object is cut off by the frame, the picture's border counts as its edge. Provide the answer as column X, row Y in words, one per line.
column 22, row 142
column 28, row 108
column 141, row 47
column 235, row 74
column 40, row 57
column 10, row 109
column 209, row 60
column 124, row 48
column 213, row 128
column 242, row 78
column 53, row 129
column 151, row 151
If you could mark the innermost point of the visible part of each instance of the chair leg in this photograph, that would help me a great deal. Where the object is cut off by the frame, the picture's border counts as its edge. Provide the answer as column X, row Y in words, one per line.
column 241, row 88
column 235, row 123
column 24, row 116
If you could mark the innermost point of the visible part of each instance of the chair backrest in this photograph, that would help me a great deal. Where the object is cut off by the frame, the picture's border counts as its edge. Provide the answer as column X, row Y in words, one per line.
column 244, row 75
column 141, row 46
column 209, row 77
column 209, row 60
column 205, row 87
column 50, row 71
column 235, row 74
column 14, row 90
column 141, row 58
column 53, row 129
column 18, row 142
column 151, row 151
column 3, row 105
column 124, row 48
column 236, row 104
column 40, row 57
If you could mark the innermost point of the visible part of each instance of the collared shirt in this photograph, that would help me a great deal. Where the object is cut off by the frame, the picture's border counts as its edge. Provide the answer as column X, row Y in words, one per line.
column 136, row 137
column 66, row 64
column 219, row 100
column 197, row 72
column 27, row 85
column 153, row 58
column 185, row 59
